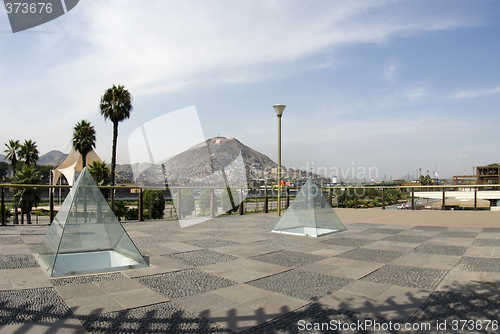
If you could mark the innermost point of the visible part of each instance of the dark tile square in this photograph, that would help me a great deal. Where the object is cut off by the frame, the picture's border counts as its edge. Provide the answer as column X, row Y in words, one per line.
column 479, row 264
column 301, row 284
column 371, row 255
column 17, row 261
column 441, row 249
column 491, row 230
column 184, row 283
column 456, row 234
column 349, row 242
column 32, row 305
column 429, row 228
column 412, row 277
column 384, row 230
column 407, row 238
column 200, row 258
column 87, row 279
column 486, row 243
column 211, row 243
column 288, row 258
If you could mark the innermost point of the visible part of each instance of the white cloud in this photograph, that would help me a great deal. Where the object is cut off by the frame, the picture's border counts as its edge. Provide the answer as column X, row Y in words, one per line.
column 416, row 93
column 390, row 70
column 475, row 93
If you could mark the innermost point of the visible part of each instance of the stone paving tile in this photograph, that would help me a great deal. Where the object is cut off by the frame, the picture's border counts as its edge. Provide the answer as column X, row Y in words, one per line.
column 371, row 255
column 31, row 305
column 479, row 252
column 5, row 280
column 61, row 326
column 28, row 278
column 245, row 250
column 412, row 277
column 159, row 265
column 396, row 304
column 471, row 282
column 185, row 283
column 339, row 267
column 441, row 249
column 479, row 264
column 361, row 225
column 288, row 258
column 433, row 261
column 200, row 258
column 280, row 242
column 301, row 284
column 401, row 247
column 243, row 270
column 15, row 249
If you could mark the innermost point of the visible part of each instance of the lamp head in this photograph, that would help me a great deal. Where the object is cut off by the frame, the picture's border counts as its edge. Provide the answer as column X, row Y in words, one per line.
column 279, row 109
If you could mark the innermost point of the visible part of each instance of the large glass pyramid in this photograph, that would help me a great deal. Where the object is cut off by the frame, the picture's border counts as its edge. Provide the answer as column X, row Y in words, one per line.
column 85, row 236
column 309, row 214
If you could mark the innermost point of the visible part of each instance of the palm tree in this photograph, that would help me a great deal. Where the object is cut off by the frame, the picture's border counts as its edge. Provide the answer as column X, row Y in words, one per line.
column 29, row 152
column 26, row 197
column 12, row 153
column 83, row 139
column 116, row 104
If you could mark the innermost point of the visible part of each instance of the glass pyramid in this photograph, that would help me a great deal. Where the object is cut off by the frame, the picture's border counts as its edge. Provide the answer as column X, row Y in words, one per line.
column 309, row 214
column 86, row 236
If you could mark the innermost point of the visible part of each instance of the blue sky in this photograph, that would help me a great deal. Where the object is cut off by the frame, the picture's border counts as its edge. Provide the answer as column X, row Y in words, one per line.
column 390, row 85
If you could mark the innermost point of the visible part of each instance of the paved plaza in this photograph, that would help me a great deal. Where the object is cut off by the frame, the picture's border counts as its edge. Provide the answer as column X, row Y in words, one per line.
column 232, row 275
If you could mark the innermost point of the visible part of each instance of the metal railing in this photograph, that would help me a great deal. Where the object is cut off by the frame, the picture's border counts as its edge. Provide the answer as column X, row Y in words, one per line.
column 257, row 199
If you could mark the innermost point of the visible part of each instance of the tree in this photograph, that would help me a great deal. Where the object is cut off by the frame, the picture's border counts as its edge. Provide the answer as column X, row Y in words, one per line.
column 12, row 153
column 187, row 203
column 425, row 180
column 100, row 173
column 4, row 169
column 121, row 209
column 154, row 203
column 205, row 201
column 83, row 139
column 116, row 104
column 28, row 197
column 29, row 152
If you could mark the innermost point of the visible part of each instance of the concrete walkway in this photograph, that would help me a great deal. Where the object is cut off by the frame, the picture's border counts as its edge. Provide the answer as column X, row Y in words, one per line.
column 393, row 269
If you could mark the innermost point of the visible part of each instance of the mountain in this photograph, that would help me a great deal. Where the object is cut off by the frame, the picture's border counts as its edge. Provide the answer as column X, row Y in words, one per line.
column 2, row 158
column 198, row 162
column 53, row 158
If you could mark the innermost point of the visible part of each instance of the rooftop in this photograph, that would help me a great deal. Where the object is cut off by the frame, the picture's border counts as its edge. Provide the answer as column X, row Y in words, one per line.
column 231, row 274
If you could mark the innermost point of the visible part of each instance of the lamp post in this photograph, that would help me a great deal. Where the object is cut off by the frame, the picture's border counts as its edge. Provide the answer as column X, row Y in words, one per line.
column 279, row 112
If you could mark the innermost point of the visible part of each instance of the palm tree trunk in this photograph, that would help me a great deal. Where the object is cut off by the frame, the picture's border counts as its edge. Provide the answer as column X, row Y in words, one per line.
column 16, row 216
column 113, row 163
column 28, row 216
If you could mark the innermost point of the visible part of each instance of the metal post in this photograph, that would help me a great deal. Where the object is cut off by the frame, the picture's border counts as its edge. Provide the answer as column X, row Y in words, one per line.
column 140, row 213
column 383, row 198
column 3, row 208
column 475, row 199
column 279, row 165
column 179, row 203
column 330, row 196
column 240, row 207
column 444, row 200
column 355, row 198
column 51, row 205
column 287, row 197
column 412, row 199
column 212, row 204
column 266, row 201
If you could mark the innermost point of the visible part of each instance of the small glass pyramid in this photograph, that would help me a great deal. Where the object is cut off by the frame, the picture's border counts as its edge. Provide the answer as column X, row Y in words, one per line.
column 85, row 236
column 309, row 214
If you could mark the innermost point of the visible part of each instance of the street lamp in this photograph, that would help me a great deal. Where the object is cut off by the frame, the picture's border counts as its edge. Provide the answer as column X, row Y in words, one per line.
column 279, row 112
